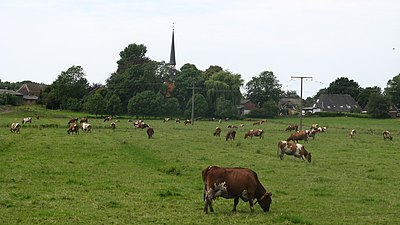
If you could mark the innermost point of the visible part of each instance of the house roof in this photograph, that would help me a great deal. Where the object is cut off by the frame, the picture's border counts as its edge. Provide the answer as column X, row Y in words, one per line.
column 336, row 103
column 11, row 92
column 31, row 89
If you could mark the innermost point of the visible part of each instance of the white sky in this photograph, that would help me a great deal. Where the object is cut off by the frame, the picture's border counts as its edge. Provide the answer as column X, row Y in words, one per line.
column 325, row 39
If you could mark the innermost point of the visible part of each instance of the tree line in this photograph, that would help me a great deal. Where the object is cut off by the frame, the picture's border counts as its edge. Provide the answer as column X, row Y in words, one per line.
column 144, row 87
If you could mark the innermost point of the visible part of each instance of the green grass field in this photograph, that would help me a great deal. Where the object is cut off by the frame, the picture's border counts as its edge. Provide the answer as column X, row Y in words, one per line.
column 122, row 177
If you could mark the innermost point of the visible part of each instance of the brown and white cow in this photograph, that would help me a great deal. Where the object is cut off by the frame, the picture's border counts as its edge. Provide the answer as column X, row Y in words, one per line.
column 27, row 120
column 299, row 135
column 230, row 135
column 86, row 127
column 177, row 121
column 297, row 150
column 83, row 120
column 387, row 135
column 150, row 132
column 187, row 122
column 112, row 125
column 166, row 120
column 73, row 128
column 257, row 133
column 292, row 127
column 217, row 132
column 258, row 122
column 73, row 120
column 15, row 127
column 353, row 133
column 107, row 118
column 234, row 183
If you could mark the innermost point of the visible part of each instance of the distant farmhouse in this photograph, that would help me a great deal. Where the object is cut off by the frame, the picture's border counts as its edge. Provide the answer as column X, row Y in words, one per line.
column 289, row 105
column 245, row 107
column 31, row 92
column 334, row 103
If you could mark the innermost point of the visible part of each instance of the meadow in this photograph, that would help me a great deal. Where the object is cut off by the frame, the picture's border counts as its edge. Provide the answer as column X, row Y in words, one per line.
column 122, row 177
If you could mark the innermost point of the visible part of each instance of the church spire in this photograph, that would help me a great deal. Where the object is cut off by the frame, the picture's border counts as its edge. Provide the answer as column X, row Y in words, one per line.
column 172, row 61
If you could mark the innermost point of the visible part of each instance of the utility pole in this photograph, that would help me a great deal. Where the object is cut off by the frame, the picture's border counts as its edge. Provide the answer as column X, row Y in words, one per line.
column 301, row 99
column 192, row 117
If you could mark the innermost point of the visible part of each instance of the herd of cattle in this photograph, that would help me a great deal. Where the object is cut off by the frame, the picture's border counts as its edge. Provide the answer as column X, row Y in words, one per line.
column 223, row 182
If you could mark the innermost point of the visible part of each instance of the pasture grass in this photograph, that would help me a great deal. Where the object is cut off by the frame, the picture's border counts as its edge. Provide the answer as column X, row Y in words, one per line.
column 122, row 177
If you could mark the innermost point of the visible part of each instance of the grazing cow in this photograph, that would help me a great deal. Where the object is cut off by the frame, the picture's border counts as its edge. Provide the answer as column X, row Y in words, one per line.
column 219, row 121
column 177, row 121
column 73, row 120
column 217, row 132
column 166, row 120
column 297, row 150
column 86, row 127
column 73, row 128
column 27, row 120
column 112, row 125
column 83, row 120
column 15, row 127
column 258, row 122
column 257, row 133
column 314, row 126
column 241, row 125
column 234, row 183
column 299, row 135
column 187, row 122
column 292, row 127
column 387, row 135
column 150, row 132
column 353, row 133
column 230, row 135
column 140, row 124
column 232, row 127
column 107, row 118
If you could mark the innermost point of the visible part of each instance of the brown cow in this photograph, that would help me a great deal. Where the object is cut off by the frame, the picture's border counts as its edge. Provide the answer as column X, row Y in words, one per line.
column 234, row 183
column 150, row 132
column 73, row 120
column 73, row 128
column 107, row 118
column 230, row 135
column 257, row 133
column 299, row 135
column 217, row 132
column 292, row 127
column 289, row 148
column 83, row 120
column 387, row 135
column 177, row 121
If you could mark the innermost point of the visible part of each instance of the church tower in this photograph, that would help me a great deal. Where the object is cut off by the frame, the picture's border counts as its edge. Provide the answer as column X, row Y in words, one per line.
column 172, row 61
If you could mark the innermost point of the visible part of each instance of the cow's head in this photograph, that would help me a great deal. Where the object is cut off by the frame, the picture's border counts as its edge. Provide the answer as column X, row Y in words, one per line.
column 265, row 201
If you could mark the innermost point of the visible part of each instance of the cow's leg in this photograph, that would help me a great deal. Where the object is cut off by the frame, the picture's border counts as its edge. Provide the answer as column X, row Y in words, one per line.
column 235, row 203
column 208, row 201
column 251, row 203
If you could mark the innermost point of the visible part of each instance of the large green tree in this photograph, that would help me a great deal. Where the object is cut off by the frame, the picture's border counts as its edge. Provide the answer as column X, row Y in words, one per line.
column 378, row 106
column 136, row 73
column 343, row 85
column 364, row 95
column 185, row 78
column 225, row 85
column 95, row 104
column 146, row 103
column 67, row 90
column 392, row 90
column 263, row 88
column 200, row 107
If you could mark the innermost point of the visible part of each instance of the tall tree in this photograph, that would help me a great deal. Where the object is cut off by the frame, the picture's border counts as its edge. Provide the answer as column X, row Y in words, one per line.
column 70, row 84
column 146, row 103
column 136, row 73
column 343, row 85
column 392, row 90
column 188, row 75
column 378, row 106
column 95, row 104
column 113, row 105
column 263, row 88
column 364, row 95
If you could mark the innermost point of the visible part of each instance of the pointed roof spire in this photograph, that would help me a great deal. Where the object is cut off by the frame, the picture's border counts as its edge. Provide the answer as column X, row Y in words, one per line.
column 172, row 60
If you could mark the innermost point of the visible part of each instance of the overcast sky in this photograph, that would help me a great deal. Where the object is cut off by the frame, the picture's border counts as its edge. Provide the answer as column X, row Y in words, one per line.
column 324, row 39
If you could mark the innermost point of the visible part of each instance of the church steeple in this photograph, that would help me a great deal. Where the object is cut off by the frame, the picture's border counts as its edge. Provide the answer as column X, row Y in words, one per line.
column 172, row 60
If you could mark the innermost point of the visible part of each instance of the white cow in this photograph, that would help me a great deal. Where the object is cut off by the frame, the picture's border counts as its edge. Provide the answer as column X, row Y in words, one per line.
column 14, row 128
column 86, row 127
